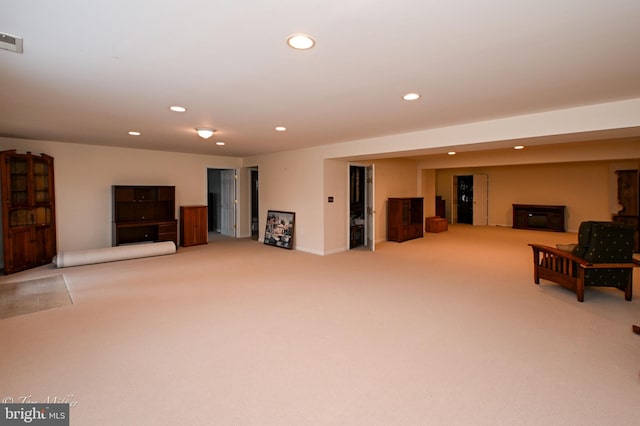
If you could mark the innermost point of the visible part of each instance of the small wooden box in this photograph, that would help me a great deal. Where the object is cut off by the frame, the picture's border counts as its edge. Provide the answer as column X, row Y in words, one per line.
column 435, row 224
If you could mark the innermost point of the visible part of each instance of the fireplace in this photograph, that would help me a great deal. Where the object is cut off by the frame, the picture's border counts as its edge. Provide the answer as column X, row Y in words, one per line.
column 540, row 217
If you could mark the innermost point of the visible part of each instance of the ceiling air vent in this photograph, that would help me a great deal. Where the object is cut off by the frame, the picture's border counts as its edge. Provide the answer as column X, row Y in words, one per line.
column 11, row 43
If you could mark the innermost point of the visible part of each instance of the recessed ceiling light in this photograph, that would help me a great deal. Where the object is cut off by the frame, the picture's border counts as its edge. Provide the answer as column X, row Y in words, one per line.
column 177, row 108
column 220, row 143
column 300, row 41
column 135, row 133
column 518, row 147
column 451, row 153
column 281, row 129
column 411, row 96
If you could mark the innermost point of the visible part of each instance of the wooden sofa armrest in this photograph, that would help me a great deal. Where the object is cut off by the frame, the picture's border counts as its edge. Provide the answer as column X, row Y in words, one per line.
column 558, row 266
column 559, row 253
column 583, row 263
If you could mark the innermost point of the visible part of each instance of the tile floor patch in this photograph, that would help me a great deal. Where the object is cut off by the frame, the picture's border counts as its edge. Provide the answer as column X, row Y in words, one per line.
column 25, row 297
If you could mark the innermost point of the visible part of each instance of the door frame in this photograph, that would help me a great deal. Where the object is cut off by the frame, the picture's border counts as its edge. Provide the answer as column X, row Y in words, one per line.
column 478, row 204
column 232, row 193
column 480, row 200
column 254, row 202
column 369, row 205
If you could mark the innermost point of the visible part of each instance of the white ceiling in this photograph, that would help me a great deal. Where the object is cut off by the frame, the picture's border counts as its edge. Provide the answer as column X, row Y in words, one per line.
column 92, row 71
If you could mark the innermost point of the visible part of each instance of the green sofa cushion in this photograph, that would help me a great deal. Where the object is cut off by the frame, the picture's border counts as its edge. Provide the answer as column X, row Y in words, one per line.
column 610, row 242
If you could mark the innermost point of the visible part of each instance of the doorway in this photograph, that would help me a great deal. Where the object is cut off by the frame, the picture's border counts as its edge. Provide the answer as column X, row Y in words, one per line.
column 470, row 195
column 221, row 202
column 357, row 178
column 361, row 207
column 464, row 199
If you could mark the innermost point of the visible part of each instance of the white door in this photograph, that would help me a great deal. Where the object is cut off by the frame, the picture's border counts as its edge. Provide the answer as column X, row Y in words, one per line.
column 228, row 203
column 480, row 200
column 370, row 203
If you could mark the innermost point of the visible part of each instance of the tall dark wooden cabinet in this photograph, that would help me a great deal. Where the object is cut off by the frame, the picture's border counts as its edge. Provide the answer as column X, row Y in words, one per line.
column 28, row 210
column 629, row 199
column 440, row 207
column 404, row 219
column 193, row 225
column 144, row 214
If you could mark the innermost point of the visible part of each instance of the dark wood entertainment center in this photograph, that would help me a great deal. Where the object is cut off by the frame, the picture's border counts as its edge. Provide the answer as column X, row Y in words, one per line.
column 144, row 214
column 538, row 217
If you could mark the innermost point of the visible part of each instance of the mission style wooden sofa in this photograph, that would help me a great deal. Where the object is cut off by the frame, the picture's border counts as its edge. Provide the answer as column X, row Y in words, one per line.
column 602, row 257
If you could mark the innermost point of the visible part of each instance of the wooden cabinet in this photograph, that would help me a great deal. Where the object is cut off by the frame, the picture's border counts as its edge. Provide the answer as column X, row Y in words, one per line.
column 404, row 219
column 629, row 200
column 143, row 214
column 539, row 217
column 28, row 210
column 193, row 225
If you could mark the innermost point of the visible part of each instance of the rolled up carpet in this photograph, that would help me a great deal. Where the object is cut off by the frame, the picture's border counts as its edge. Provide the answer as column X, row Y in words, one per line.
column 112, row 254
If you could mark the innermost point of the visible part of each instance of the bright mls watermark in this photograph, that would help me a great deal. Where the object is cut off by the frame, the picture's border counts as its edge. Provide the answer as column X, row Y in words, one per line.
column 34, row 414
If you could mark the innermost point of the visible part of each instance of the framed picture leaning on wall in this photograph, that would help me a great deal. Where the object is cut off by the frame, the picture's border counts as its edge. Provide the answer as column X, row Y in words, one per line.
column 279, row 229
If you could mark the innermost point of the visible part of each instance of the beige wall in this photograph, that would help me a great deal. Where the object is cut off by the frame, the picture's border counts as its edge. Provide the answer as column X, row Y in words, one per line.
column 428, row 189
column 585, row 188
column 336, row 214
column 301, row 180
column 598, row 119
column 294, row 181
column 84, row 175
column 393, row 179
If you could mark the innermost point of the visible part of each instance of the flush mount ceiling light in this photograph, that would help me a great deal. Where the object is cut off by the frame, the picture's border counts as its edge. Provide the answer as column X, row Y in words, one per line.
column 281, row 129
column 204, row 133
column 135, row 133
column 451, row 153
column 177, row 108
column 220, row 143
column 411, row 96
column 518, row 147
column 300, row 41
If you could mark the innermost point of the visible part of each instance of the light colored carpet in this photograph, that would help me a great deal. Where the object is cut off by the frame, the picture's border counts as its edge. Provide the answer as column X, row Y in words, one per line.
column 26, row 297
column 446, row 330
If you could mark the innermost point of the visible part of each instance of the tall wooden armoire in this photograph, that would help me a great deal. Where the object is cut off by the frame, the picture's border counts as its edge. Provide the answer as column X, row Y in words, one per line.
column 28, row 210
column 629, row 199
column 405, row 219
